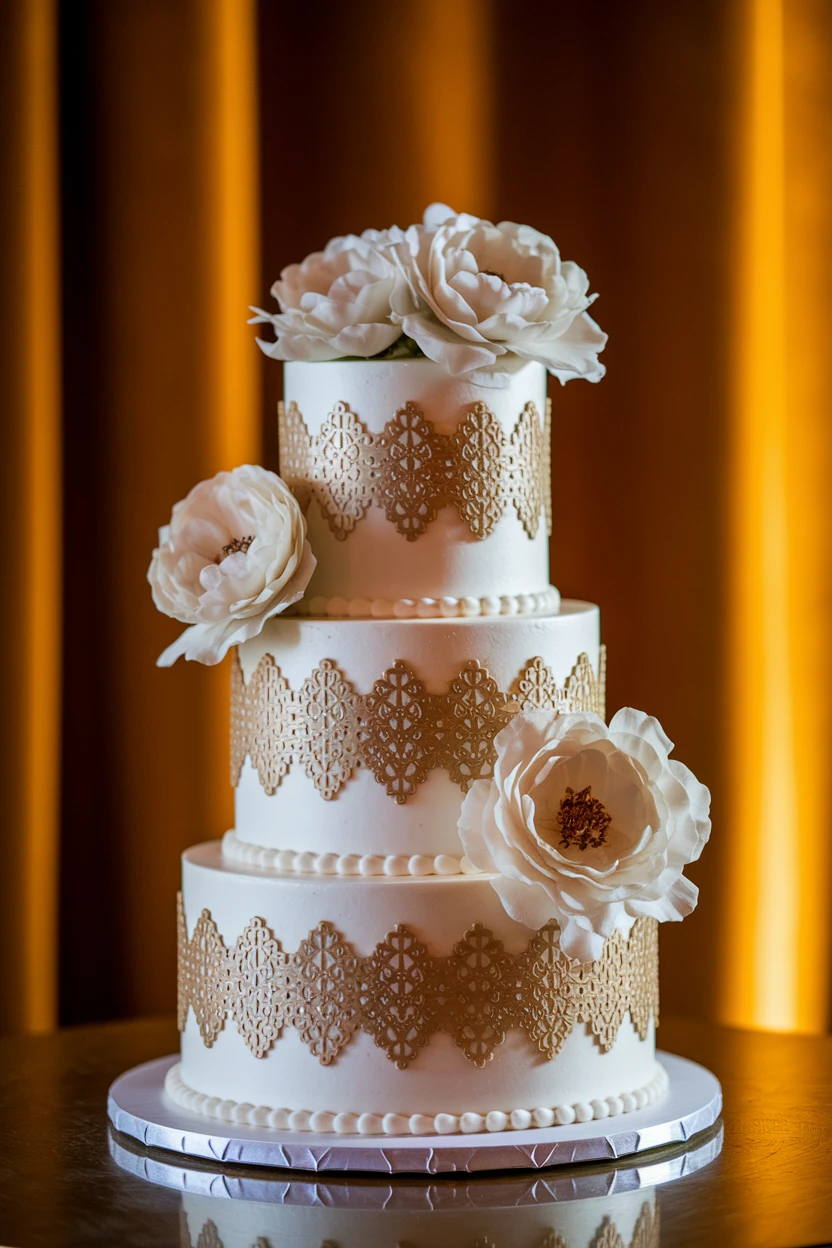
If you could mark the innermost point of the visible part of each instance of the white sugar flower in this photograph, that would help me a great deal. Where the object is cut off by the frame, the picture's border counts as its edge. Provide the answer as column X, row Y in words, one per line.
column 337, row 302
column 587, row 825
column 486, row 298
column 234, row 554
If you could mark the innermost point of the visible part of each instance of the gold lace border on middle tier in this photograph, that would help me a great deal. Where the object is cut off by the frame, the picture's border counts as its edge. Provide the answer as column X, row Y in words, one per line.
column 398, row 731
column 401, row 994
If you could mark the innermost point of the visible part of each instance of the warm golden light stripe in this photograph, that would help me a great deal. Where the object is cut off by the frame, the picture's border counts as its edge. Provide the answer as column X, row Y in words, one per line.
column 447, row 59
column 762, row 777
column 808, row 179
column 39, row 633
column 231, row 196
column 232, row 201
column 775, row 976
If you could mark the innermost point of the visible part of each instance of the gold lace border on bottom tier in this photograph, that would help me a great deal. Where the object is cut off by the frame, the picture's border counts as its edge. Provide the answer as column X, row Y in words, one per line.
column 401, row 994
column 398, row 730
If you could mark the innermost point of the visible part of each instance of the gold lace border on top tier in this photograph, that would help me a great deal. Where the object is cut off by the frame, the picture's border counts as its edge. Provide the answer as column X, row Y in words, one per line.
column 645, row 1235
column 401, row 994
column 399, row 731
column 411, row 471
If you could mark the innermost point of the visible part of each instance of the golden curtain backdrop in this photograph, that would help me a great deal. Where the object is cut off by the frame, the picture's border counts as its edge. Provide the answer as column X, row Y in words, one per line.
column 780, row 553
column 31, row 503
column 163, row 162
column 160, row 166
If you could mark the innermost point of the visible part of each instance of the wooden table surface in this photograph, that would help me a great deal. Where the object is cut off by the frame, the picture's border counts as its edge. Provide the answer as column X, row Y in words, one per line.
column 769, row 1187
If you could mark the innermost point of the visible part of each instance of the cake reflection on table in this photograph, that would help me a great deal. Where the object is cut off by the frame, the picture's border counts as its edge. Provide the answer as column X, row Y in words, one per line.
column 628, row 1220
column 605, row 1205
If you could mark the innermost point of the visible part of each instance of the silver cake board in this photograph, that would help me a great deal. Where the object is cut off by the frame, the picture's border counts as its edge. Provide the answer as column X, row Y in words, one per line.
column 138, row 1108
column 415, row 1194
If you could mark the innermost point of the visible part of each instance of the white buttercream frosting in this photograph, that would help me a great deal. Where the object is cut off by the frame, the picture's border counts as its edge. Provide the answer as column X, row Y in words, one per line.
column 374, row 1122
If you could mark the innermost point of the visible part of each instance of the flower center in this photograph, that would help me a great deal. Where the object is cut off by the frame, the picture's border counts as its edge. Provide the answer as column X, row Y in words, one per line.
column 583, row 820
column 239, row 546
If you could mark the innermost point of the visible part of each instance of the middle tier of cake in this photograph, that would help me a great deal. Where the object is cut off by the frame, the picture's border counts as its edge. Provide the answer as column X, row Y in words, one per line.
column 354, row 741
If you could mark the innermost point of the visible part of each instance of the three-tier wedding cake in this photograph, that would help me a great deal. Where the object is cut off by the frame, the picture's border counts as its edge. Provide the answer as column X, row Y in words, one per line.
column 437, row 911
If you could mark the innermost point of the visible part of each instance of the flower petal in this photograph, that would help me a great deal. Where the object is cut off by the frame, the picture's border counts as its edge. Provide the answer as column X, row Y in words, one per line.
column 525, row 903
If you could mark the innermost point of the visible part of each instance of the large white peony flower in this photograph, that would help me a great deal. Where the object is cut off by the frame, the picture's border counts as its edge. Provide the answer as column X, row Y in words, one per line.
column 486, row 298
column 337, row 302
column 587, row 825
column 234, row 554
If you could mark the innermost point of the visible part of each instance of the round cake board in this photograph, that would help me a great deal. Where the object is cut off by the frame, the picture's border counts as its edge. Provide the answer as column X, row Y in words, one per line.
column 429, row 1192
column 139, row 1108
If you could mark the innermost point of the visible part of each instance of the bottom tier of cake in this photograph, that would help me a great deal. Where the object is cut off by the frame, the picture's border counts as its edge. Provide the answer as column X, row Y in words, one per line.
column 400, row 1005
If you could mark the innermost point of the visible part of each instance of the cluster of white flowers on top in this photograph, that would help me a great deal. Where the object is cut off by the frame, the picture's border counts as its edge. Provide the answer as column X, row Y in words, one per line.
column 476, row 298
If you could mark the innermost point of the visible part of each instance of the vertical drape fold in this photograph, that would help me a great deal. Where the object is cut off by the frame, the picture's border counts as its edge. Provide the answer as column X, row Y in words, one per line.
column 161, row 173
column 778, row 825
column 180, row 270
column 30, row 490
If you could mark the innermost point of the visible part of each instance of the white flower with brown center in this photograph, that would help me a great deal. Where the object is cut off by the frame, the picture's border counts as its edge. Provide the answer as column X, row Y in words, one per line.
column 337, row 302
column 587, row 825
column 486, row 298
column 234, row 554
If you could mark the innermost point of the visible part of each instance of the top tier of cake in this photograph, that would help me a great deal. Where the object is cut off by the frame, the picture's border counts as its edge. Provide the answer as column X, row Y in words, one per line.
column 425, row 495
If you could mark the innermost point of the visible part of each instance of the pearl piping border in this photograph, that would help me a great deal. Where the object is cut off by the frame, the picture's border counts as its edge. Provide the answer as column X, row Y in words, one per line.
column 546, row 602
column 246, row 1114
column 303, row 862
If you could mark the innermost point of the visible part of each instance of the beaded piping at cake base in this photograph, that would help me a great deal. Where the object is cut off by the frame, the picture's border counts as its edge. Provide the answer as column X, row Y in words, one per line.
column 402, row 994
column 470, row 1123
column 306, row 862
column 399, row 731
column 546, row 602
column 411, row 471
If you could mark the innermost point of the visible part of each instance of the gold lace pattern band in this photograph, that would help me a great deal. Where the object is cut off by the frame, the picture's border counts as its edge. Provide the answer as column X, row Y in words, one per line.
column 399, row 731
column 411, row 471
column 401, row 994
